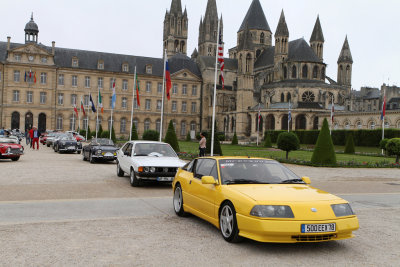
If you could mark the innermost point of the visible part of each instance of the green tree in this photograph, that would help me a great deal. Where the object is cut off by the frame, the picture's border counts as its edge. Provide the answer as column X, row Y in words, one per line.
column 188, row 137
column 104, row 134
column 382, row 144
column 393, row 148
column 100, row 130
column 235, row 139
column 288, row 142
column 134, row 134
column 217, row 144
column 324, row 151
column 349, row 148
column 171, row 138
column 151, row 135
column 267, row 141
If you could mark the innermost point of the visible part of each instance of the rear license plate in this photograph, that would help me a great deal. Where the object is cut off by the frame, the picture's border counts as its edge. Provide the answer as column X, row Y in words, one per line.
column 318, row 228
column 165, row 179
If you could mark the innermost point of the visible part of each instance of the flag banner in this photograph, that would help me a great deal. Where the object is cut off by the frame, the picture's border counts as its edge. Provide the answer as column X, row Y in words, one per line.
column 100, row 102
column 332, row 111
column 92, row 103
column 34, row 77
column 76, row 111
column 168, row 80
column 25, row 77
column 289, row 114
column 30, row 74
column 259, row 115
column 114, row 97
column 221, row 57
column 383, row 111
column 82, row 107
column 137, row 91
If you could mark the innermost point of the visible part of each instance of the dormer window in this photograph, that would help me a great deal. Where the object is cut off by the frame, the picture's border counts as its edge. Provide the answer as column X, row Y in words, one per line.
column 125, row 67
column 75, row 62
column 100, row 65
column 44, row 59
column 149, row 69
column 17, row 57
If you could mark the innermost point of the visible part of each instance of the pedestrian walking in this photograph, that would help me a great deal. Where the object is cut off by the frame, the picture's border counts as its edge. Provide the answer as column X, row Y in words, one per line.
column 202, row 145
column 35, row 137
column 30, row 136
column 27, row 137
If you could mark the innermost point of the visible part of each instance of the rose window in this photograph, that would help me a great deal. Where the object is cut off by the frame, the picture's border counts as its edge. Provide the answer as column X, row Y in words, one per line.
column 308, row 96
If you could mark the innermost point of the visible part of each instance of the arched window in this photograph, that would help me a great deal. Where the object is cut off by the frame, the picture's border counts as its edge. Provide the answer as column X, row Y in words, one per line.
column 308, row 96
column 262, row 38
column 294, row 72
column 123, row 125
column 315, row 72
column 305, row 71
column 285, row 72
column 183, row 128
column 323, row 73
column 182, row 48
column 248, row 62
column 15, row 117
column 59, row 124
column 282, row 97
column 372, row 125
column 147, row 124
column 233, row 125
column 289, row 97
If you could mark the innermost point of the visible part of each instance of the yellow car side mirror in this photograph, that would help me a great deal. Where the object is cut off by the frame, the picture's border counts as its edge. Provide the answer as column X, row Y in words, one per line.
column 208, row 180
column 306, row 179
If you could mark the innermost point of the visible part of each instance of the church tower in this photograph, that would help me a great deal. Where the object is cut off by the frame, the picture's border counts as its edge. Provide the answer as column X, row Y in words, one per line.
column 281, row 48
column 317, row 40
column 31, row 32
column 208, row 30
column 345, row 65
column 175, row 29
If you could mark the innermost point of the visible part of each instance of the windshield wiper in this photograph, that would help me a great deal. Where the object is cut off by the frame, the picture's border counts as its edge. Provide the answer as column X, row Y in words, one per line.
column 244, row 181
column 141, row 155
column 292, row 181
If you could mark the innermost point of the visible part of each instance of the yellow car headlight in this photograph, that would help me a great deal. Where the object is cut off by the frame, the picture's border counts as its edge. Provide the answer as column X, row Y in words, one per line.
column 272, row 211
column 341, row 210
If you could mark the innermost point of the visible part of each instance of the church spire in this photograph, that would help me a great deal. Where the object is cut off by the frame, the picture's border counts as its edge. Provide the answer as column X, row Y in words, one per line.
column 345, row 66
column 317, row 40
column 175, row 29
column 176, row 7
column 282, row 29
column 208, row 30
column 345, row 54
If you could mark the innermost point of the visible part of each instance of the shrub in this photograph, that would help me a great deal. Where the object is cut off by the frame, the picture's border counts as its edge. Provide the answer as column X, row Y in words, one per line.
column 382, row 144
column 170, row 137
column 217, row 144
column 393, row 148
column 267, row 141
column 235, row 139
column 100, row 130
column 221, row 136
column 349, row 149
column 104, row 134
column 151, row 135
column 188, row 138
column 288, row 142
column 324, row 152
column 134, row 134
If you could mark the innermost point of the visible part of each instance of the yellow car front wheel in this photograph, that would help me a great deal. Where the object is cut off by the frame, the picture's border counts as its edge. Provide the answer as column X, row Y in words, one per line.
column 228, row 223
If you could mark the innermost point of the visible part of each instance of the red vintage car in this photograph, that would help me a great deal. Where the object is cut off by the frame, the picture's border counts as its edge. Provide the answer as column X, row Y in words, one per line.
column 10, row 148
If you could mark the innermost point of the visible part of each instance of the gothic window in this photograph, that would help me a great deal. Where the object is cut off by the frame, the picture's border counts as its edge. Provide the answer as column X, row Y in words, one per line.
column 248, row 62
column 282, row 97
column 262, row 40
column 315, row 72
column 305, row 71
column 240, row 62
column 294, row 72
column 323, row 73
column 289, row 97
column 182, row 48
column 308, row 96
column 285, row 72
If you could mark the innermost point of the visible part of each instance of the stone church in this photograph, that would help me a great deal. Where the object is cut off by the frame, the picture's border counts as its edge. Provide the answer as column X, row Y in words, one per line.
column 40, row 84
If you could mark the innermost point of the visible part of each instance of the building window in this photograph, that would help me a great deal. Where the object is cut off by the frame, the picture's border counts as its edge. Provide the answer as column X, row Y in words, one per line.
column 193, row 126
column 125, row 68
column 73, row 99
column 184, row 109
column 43, row 78
column 72, row 122
column 44, row 59
column 347, row 126
column 100, row 83
column 305, row 71
column 100, row 65
column 194, row 107
column 184, row 89
column 75, row 62
column 262, row 38
column 148, row 104
column 148, row 87
column 123, row 125
column 125, row 85
column 194, row 90
column 61, row 79
column 17, row 57
column 282, row 97
column 17, row 76
column 59, row 125
column 294, row 72
column 175, row 89
column 15, row 96
column 136, row 123
column 173, row 105
column 147, row 125
column 43, row 96
column 359, row 125
column 135, row 105
column 110, row 101
column 87, row 81
column 159, row 88
column 74, row 80
column 315, row 72
column 387, row 125
column 124, row 102
column 149, row 69
column 85, row 122
column 158, row 104
column 29, row 97
column 158, row 125
column 308, row 96
column 372, row 125
column 112, row 82
column 60, row 99
column 183, row 128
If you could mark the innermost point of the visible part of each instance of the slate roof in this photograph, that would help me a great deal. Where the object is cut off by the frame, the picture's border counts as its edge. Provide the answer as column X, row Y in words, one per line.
column 372, row 95
column 345, row 54
column 112, row 62
column 246, row 41
column 312, row 105
column 255, row 18
column 282, row 29
column 317, row 34
column 209, row 62
column 31, row 26
column 299, row 50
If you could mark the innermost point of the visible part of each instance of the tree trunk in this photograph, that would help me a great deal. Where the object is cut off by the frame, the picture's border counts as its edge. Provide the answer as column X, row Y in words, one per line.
column 287, row 154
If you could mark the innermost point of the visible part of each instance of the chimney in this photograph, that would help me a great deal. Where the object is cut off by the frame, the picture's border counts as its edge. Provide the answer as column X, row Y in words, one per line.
column 53, row 47
column 8, row 42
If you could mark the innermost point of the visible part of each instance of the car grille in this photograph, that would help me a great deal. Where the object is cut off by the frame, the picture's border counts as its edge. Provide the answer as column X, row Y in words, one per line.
column 15, row 151
column 313, row 238
column 165, row 169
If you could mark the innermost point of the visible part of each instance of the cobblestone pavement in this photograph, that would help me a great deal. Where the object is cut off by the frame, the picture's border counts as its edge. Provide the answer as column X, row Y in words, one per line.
column 57, row 210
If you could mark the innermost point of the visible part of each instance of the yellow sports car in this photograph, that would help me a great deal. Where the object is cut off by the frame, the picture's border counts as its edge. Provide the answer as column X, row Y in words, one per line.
column 260, row 199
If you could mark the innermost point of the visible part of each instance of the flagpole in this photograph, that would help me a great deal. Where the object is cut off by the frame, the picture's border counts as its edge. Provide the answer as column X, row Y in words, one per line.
column 97, row 111
column 73, row 121
column 383, row 117
column 162, row 98
column 289, row 119
column 215, row 95
column 133, row 99
column 111, row 122
column 330, row 130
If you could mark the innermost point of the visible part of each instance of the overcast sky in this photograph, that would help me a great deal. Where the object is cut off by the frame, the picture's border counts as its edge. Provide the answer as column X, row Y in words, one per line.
column 135, row 27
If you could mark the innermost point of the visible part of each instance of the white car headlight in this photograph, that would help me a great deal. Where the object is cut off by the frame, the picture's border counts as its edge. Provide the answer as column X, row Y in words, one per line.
column 98, row 151
column 146, row 169
column 9, row 150
column 152, row 169
column 272, row 211
column 341, row 210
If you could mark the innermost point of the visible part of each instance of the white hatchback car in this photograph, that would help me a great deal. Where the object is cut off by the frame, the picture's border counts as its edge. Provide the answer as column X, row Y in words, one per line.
column 148, row 160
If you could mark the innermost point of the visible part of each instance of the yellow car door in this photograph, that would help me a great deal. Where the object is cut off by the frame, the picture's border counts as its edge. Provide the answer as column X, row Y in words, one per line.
column 203, row 195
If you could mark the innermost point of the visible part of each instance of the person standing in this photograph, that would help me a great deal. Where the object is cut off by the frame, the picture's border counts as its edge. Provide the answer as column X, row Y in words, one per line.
column 27, row 137
column 202, row 145
column 35, row 137
column 30, row 136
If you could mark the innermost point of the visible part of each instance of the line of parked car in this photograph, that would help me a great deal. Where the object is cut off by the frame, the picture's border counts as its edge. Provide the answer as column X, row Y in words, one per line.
column 10, row 147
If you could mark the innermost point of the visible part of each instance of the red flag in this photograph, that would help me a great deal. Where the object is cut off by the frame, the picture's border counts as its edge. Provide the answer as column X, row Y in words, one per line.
column 34, row 77
column 332, row 111
column 76, row 111
column 82, row 108
column 137, row 92
column 221, row 57
column 168, row 79
column 30, row 74
column 383, row 112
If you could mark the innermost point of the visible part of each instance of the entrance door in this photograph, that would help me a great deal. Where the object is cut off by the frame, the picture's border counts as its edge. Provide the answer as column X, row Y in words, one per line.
column 15, row 120
column 42, row 122
column 28, row 121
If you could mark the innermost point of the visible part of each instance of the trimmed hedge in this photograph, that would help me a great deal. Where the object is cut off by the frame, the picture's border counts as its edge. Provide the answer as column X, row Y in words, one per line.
column 324, row 152
column 361, row 137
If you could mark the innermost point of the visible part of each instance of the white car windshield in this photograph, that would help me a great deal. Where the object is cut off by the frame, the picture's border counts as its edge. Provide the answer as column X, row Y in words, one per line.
column 152, row 149
column 8, row 141
column 255, row 171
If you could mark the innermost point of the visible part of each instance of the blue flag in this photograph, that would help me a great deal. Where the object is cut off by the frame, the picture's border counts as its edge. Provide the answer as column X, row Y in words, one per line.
column 92, row 103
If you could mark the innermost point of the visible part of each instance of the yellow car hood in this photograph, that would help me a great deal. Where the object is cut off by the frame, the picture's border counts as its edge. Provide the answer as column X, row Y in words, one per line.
column 283, row 193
